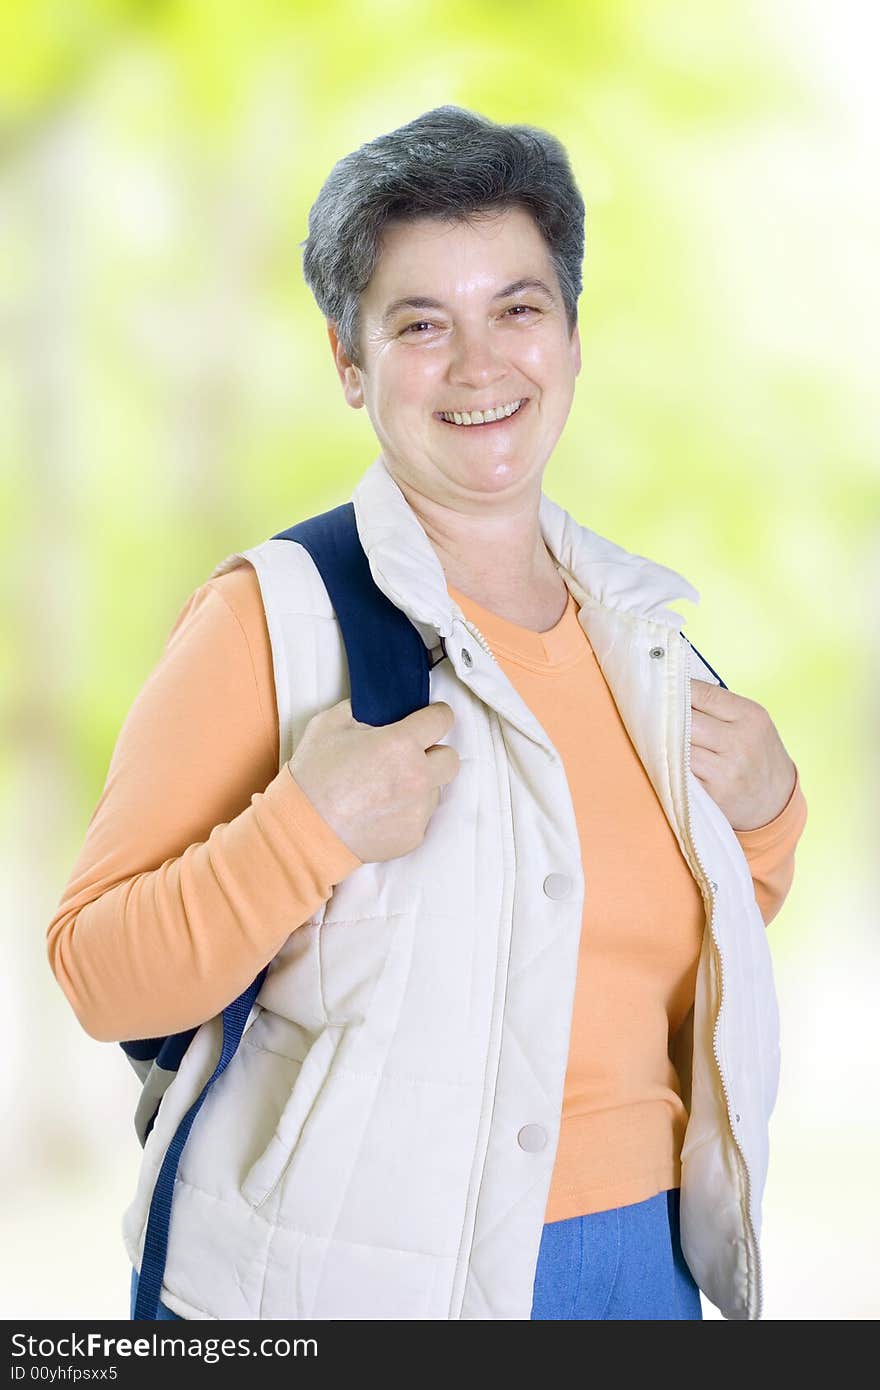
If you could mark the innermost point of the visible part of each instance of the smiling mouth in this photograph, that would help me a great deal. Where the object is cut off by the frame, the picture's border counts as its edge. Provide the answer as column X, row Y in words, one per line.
column 487, row 424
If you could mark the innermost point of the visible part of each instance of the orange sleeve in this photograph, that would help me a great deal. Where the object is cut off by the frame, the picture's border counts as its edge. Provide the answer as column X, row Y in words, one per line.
column 201, row 857
column 770, row 849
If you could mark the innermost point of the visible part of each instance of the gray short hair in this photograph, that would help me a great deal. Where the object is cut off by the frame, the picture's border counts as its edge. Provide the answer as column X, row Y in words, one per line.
column 451, row 164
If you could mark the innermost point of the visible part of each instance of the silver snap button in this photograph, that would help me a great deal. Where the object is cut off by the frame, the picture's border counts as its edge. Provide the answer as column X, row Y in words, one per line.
column 657, row 651
column 557, row 885
column 532, row 1138
column 713, row 885
column 466, row 657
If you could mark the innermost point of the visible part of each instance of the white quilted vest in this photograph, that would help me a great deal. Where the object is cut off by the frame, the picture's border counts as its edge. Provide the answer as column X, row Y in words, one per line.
column 382, row 1144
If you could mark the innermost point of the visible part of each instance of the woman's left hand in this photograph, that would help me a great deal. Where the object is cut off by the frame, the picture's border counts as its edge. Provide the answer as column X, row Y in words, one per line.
column 737, row 754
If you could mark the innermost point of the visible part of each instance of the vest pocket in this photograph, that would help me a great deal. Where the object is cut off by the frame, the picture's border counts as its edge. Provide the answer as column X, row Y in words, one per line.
column 267, row 1171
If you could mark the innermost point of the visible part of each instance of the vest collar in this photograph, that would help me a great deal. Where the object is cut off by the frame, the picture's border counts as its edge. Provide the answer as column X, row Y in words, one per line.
column 406, row 567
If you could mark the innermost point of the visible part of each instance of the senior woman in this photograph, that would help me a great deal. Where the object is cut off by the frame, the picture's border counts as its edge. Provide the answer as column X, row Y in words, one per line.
column 516, row 1050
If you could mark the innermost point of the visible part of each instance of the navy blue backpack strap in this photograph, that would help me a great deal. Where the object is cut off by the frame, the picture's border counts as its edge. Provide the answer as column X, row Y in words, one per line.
column 705, row 662
column 152, row 1270
column 388, row 663
column 389, row 668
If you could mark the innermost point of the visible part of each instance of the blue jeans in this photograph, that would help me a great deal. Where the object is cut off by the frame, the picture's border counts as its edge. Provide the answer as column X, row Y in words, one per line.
column 613, row 1265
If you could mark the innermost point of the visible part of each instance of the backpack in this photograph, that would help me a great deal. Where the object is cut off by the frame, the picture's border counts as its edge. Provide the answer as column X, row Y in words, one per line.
column 389, row 668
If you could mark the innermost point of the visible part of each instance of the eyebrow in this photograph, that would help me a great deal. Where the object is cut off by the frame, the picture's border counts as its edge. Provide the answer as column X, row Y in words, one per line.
column 419, row 301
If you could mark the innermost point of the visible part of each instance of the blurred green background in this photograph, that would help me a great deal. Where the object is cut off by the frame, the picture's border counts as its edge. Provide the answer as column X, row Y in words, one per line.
column 168, row 396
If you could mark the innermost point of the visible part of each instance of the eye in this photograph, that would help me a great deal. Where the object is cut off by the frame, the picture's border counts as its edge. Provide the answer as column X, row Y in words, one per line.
column 527, row 307
column 421, row 323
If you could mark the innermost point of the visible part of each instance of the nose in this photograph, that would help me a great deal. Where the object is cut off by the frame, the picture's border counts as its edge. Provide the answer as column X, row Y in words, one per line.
column 475, row 362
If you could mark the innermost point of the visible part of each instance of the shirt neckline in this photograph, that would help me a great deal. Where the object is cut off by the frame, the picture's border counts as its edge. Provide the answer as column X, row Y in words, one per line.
column 562, row 644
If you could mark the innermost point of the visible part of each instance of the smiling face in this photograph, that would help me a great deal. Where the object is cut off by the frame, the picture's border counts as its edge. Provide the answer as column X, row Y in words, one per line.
column 462, row 318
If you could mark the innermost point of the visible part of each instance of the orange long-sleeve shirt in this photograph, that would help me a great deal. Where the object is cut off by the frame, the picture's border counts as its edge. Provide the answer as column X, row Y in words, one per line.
column 200, row 854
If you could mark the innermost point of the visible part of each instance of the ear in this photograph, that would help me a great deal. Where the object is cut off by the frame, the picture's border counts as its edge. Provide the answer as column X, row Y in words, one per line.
column 349, row 374
column 576, row 348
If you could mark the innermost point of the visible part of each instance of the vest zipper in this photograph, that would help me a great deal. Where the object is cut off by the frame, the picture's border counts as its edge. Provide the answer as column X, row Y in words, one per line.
column 753, row 1250
column 472, row 627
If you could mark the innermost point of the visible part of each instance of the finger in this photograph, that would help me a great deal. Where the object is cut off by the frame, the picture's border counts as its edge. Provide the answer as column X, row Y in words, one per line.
column 705, row 765
column 707, row 732
column 431, row 722
column 444, row 763
column 714, row 699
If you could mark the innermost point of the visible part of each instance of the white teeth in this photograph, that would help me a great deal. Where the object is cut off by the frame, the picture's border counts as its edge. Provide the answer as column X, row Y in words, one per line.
column 480, row 417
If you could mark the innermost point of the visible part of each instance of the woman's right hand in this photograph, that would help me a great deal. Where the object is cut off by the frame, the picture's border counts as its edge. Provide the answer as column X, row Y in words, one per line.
column 376, row 786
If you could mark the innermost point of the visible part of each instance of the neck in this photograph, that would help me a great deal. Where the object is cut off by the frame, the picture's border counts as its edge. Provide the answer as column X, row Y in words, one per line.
column 491, row 555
